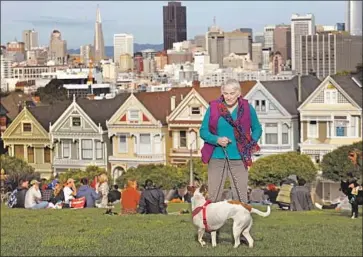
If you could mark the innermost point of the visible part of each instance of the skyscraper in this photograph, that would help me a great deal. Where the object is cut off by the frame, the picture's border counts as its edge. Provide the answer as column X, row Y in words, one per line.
column 99, row 44
column 175, row 24
column 57, row 48
column 122, row 44
column 300, row 25
column 30, row 39
column 353, row 16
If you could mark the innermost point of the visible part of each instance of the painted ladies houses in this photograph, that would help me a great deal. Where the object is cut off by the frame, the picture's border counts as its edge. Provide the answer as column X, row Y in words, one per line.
column 138, row 129
column 79, row 136
column 27, row 137
column 331, row 116
column 186, row 118
column 276, row 104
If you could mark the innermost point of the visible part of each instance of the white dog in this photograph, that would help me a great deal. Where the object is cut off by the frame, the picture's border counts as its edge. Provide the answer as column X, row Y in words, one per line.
column 209, row 216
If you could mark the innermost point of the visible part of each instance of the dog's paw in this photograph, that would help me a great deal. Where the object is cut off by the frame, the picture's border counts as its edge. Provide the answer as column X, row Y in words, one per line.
column 202, row 243
column 236, row 245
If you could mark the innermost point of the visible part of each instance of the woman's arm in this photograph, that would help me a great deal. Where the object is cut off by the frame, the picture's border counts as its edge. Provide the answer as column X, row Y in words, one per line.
column 256, row 127
column 205, row 134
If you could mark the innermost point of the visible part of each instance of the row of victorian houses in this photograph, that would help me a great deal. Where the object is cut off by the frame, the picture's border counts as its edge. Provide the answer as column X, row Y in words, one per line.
column 303, row 114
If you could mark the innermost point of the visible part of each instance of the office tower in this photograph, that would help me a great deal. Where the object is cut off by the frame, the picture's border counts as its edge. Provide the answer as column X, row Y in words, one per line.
column 99, row 44
column 122, row 44
column 175, row 24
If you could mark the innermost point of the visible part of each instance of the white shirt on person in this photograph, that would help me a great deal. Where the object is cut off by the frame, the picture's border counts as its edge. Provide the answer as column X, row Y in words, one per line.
column 68, row 194
column 32, row 197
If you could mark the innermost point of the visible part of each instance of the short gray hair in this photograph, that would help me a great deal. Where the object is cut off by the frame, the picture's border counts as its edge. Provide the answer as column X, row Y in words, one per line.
column 233, row 83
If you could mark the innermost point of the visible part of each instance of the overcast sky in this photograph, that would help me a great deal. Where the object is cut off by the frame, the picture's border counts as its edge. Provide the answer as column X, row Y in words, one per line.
column 144, row 20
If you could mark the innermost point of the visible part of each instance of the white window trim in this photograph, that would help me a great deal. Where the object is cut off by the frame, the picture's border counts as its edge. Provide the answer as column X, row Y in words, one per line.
column 151, row 144
column 195, row 114
column 118, row 144
column 129, row 114
column 330, row 91
column 356, row 132
column 69, row 147
column 92, row 157
column 98, row 142
column 31, row 127
column 186, row 139
column 310, row 136
column 349, row 136
column 288, row 134
column 80, row 120
column 265, row 137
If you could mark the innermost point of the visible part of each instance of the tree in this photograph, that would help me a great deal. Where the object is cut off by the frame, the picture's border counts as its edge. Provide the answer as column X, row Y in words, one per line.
column 53, row 92
column 77, row 174
column 274, row 168
column 336, row 164
column 162, row 175
column 16, row 169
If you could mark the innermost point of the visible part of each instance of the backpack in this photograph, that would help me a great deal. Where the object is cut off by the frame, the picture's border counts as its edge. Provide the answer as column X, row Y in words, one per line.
column 12, row 201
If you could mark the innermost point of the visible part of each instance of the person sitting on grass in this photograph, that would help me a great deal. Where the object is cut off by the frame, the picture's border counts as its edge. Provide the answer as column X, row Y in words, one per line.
column 70, row 192
column 20, row 195
column 301, row 197
column 33, row 197
column 89, row 193
column 114, row 196
column 102, row 189
column 57, row 199
column 152, row 200
column 130, row 198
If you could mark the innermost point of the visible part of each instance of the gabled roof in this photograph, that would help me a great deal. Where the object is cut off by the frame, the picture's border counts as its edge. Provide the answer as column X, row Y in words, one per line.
column 48, row 113
column 286, row 91
column 350, row 87
column 101, row 110
column 159, row 104
column 11, row 103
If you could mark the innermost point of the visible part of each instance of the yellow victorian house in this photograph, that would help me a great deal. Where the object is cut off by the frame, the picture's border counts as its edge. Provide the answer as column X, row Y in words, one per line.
column 331, row 116
column 27, row 137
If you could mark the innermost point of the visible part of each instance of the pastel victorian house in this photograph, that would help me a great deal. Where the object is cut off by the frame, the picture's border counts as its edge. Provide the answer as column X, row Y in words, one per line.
column 276, row 104
column 27, row 137
column 79, row 136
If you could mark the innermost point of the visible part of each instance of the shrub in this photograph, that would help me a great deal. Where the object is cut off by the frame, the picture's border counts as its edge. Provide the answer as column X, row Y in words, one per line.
column 336, row 164
column 274, row 168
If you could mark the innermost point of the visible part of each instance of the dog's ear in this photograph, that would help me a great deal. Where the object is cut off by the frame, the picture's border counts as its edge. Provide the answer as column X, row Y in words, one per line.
column 203, row 189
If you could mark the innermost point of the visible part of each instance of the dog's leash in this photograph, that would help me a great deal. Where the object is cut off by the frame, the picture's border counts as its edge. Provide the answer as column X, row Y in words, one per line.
column 230, row 171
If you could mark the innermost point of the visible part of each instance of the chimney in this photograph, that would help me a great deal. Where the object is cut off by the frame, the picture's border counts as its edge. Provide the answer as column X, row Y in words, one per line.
column 172, row 103
column 299, row 87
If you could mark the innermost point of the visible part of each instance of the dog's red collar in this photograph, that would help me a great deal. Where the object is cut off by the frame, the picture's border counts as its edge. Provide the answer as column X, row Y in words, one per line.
column 204, row 208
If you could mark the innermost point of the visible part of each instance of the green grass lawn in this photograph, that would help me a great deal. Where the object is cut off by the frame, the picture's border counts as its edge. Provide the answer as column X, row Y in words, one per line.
column 88, row 232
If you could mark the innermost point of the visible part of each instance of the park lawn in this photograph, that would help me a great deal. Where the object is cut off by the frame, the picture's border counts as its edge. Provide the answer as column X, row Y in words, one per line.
column 88, row 232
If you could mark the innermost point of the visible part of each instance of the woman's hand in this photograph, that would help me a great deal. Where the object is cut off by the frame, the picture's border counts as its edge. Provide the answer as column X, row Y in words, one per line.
column 223, row 141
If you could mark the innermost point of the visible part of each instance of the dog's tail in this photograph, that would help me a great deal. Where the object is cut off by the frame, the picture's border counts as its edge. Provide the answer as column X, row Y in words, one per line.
column 260, row 213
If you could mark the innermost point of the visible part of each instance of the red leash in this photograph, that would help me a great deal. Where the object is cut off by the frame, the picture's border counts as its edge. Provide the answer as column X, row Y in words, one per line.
column 204, row 208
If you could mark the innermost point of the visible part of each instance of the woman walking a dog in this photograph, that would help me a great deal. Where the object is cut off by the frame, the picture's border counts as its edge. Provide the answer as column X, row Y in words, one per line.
column 230, row 130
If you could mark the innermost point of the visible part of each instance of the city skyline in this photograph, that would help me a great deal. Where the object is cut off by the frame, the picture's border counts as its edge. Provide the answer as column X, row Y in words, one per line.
column 147, row 23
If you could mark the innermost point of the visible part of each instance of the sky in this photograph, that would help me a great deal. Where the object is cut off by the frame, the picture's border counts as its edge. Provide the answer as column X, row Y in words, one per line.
column 75, row 19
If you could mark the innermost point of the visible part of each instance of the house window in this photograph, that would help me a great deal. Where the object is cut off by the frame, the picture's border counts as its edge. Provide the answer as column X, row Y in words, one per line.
column 263, row 105
column 30, row 154
column 47, row 155
column 157, row 144
column 66, row 149
column 145, row 144
column 122, row 144
column 257, row 105
column 87, row 149
column 134, row 114
column 312, row 129
column 27, row 127
column 195, row 110
column 285, row 134
column 76, row 121
column 19, row 151
column 353, row 126
column 182, row 139
column 99, row 154
column 271, row 135
column 330, row 96
column 340, row 126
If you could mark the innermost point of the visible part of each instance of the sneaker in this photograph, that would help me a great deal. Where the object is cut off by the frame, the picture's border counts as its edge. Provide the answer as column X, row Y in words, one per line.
column 319, row 206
